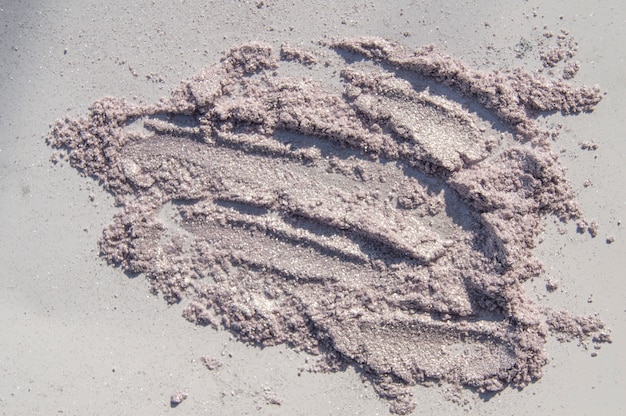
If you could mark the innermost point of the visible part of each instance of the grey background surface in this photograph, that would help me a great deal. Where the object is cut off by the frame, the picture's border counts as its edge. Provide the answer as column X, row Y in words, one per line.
column 79, row 337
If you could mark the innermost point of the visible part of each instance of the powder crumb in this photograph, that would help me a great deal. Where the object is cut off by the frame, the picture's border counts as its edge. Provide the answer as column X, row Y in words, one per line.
column 289, row 52
column 178, row 397
column 610, row 239
column 593, row 228
column 571, row 69
column 553, row 57
column 552, row 285
column 602, row 338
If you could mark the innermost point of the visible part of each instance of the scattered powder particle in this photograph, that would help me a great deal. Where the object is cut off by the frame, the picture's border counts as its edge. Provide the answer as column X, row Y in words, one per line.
column 156, row 78
column 522, row 48
column 178, row 397
column 271, row 398
column 566, row 48
column 610, row 239
column 385, row 227
column 211, row 363
column 588, row 146
column 593, row 228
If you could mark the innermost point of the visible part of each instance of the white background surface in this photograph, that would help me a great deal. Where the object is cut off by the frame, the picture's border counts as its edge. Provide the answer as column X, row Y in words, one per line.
column 79, row 337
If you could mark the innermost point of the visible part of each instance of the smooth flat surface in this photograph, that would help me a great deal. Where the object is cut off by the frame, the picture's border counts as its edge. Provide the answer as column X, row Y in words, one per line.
column 80, row 337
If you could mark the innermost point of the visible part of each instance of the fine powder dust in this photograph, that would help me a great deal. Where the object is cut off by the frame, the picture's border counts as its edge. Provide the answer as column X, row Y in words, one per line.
column 386, row 227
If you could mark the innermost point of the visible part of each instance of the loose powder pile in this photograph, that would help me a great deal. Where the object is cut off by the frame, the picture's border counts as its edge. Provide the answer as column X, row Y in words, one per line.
column 386, row 227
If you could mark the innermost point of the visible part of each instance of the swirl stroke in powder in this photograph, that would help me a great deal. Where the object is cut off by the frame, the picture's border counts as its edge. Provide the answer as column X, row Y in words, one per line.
column 385, row 227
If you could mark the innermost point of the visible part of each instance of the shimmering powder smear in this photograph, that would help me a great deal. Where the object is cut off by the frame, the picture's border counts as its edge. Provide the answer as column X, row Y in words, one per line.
column 384, row 227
